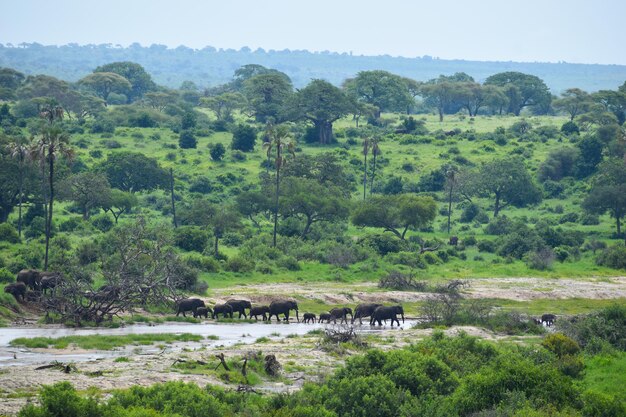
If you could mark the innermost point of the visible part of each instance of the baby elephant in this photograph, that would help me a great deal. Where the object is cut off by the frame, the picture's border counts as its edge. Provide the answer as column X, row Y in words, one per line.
column 203, row 311
column 324, row 316
column 309, row 318
column 262, row 311
column 17, row 290
column 225, row 310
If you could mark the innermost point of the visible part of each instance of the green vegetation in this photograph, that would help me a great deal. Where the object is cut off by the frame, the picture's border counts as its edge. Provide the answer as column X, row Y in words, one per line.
column 100, row 342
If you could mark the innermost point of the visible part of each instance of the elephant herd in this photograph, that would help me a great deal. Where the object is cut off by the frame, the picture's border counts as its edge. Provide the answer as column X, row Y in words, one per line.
column 378, row 313
column 31, row 283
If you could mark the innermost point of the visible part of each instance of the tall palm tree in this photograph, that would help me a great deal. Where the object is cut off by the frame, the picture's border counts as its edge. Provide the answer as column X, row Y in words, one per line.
column 366, row 150
column 279, row 140
column 451, row 180
column 375, row 153
column 52, row 143
column 19, row 151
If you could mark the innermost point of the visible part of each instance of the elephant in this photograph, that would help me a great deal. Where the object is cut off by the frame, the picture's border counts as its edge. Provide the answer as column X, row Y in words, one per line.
column 454, row 241
column 30, row 277
column 364, row 310
column 50, row 280
column 324, row 316
column 203, row 311
column 548, row 319
column 223, row 309
column 239, row 306
column 309, row 317
column 188, row 304
column 262, row 311
column 17, row 290
column 341, row 313
column 283, row 307
column 387, row 312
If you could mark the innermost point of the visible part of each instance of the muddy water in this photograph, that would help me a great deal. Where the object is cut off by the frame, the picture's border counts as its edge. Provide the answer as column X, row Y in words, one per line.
column 228, row 334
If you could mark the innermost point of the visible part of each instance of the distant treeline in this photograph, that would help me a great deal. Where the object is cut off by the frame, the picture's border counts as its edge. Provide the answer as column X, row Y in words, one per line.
column 210, row 66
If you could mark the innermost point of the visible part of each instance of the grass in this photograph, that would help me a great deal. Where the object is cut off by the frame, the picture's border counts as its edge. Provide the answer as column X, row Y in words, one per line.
column 606, row 374
column 102, row 342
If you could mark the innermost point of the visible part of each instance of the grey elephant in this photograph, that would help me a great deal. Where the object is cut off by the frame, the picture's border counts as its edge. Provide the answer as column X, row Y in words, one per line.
column 340, row 313
column 203, row 311
column 262, row 311
column 239, row 306
column 324, row 317
column 30, row 277
column 364, row 310
column 309, row 317
column 548, row 319
column 226, row 310
column 283, row 307
column 188, row 304
column 50, row 280
column 17, row 290
column 387, row 312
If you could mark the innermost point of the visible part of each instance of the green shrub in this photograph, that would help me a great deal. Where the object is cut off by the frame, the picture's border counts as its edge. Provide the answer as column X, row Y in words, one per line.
column 102, row 222
column 488, row 246
column 613, row 257
column 217, row 152
column 382, row 244
column 202, row 263
column 244, row 137
column 87, row 252
column 239, row 264
column 191, row 238
column 6, row 276
column 608, row 324
column 187, row 140
column 499, row 226
column 560, row 345
column 540, row 259
column 36, row 228
column 288, row 262
column 598, row 404
column 8, row 233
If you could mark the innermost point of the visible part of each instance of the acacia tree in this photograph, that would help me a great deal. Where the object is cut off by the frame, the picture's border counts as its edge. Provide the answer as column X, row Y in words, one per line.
column 119, row 202
column 279, row 142
column 508, row 182
column 573, row 101
column 382, row 89
column 522, row 90
column 608, row 191
column 396, row 213
column 133, row 171
column 440, row 94
column 139, row 79
column 322, row 104
column 88, row 190
column 223, row 220
column 224, row 104
column 105, row 83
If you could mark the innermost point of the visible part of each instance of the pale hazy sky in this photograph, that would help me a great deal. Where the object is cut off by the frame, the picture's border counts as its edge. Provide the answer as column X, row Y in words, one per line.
column 524, row 30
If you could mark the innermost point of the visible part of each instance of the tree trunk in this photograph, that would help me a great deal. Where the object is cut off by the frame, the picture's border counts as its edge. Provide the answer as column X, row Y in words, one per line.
column 19, row 204
column 307, row 227
column 325, row 131
column 450, row 206
column 216, row 246
column 50, row 207
column 619, row 226
column 441, row 115
column 373, row 173
column 364, row 176
column 277, row 191
column 173, row 198
column 496, row 209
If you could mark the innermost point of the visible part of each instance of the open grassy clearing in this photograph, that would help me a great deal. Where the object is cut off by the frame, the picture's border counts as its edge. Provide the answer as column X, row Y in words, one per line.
column 101, row 342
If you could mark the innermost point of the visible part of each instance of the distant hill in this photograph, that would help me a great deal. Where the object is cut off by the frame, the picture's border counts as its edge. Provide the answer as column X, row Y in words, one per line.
column 210, row 67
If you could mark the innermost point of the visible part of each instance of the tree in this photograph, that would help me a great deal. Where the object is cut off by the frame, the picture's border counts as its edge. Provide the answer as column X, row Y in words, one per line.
column 279, row 142
column 133, row 171
column 217, row 152
column 382, row 89
column 590, row 150
column 159, row 100
column 267, row 95
column 10, row 81
column 608, row 191
column 326, row 168
column 508, row 182
column 224, row 220
column 396, row 213
column 612, row 101
column 244, row 137
column 119, row 202
column 87, row 189
column 105, row 83
column 19, row 151
column 312, row 202
column 375, row 152
column 187, row 140
column 82, row 105
column 573, row 101
column 43, row 86
column 52, row 143
column 321, row 103
column 224, row 104
column 451, row 182
column 251, row 203
column 140, row 80
column 440, row 95
column 522, row 90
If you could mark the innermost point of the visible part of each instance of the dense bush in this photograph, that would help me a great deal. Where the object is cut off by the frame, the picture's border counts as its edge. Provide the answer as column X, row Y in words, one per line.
column 187, row 140
column 191, row 238
column 382, row 244
column 244, row 137
column 613, row 257
column 202, row 263
column 6, row 276
column 217, row 152
column 8, row 233
column 608, row 325
column 239, row 263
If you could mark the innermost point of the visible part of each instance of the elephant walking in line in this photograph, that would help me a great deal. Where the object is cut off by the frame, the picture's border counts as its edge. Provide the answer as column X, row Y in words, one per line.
column 30, row 277
column 309, row 317
column 262, row 311
column 341, row 313
column 17, row 290
column 203, row 311
column 324, row 316
column 385, row 313
column 283, row 307
column 188, row 304
column 364, row 310
column 239, row 306
column 226, row 310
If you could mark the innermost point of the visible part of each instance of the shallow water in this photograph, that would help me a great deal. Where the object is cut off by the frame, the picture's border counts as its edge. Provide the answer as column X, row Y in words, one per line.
column 229, row 334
